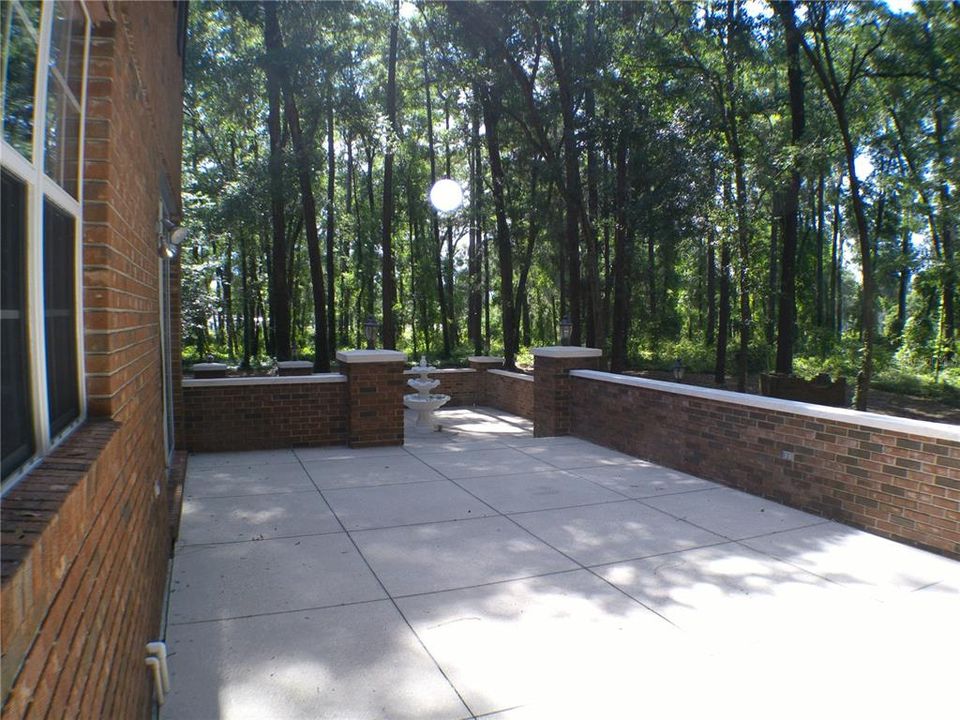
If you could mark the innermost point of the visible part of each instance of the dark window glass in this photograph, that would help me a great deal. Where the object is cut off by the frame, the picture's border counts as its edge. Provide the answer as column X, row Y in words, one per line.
column 59, row 280
column 17, row 427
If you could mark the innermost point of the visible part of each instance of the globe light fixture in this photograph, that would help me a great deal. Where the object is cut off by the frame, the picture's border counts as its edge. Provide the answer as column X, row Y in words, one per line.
column 446, row 195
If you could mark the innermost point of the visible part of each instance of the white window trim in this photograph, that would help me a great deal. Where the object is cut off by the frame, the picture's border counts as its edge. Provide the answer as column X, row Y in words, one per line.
column 39, row 186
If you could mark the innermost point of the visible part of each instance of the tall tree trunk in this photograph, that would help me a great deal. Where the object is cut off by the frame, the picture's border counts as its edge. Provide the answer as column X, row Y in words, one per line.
column 434, row 221
column 572, row 187
column 331, row 174
column 773, row 277
column 491, row 118
column 280, row 284
column 785, row 320
column 836, row 257
column 247, row 309
column 710, row 334
column 388, row 279
column 228, row 299
column 448, row 265
column 949, row 272
column 836, row 90
column 821, row 234
column 723, row 324
column 475, row 281
column 621, row 266
column 533, row 229
column 903, row 283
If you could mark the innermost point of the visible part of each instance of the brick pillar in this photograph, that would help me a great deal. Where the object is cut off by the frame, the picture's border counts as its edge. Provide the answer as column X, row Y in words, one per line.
column 481, row 364
column 375, row 386
column 551, row 380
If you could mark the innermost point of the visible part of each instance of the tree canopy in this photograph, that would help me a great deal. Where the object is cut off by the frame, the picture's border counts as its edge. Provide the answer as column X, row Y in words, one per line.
column 742, row 185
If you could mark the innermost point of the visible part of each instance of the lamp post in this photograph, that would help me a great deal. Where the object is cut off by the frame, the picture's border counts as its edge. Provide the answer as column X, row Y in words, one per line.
column 370, row 328
column 566, row 329
column 678, row 370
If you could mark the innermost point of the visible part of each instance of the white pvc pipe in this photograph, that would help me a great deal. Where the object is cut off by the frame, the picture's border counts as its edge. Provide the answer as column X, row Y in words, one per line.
column 154, row 666
column 158, row 650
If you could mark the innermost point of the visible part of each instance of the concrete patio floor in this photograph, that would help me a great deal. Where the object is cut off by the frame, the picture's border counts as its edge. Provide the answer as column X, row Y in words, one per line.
column 480, row 572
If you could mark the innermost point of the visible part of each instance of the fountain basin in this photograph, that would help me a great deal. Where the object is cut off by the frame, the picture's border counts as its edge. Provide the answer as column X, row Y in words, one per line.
column 424, row 405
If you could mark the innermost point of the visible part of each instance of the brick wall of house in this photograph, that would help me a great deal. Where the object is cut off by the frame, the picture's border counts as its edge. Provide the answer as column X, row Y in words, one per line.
column 85, row 535
column 508, row 391
column 221, row 416
column 375, row 390
column 459, row 383
column 902, row 484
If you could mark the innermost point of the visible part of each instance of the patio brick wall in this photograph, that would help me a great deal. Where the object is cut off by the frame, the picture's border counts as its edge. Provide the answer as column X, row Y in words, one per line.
column 901, row 484
column 375, row 389
column 226, row 417
column 459, row 383
column 551, row 390
column 85, row 534
column 509, row 391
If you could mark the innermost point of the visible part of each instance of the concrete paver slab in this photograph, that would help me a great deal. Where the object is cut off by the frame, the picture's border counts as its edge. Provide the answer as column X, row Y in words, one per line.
column 441, row 556
column 224, row 581
column 479, row 463
column 339, row 452
column 389, row 505
column 540, row 643
column 576, row 456
column 235, row 479
column 249, row 458
column 614, row 531
column 536, row 491
column 860, row 560
column 640, row 479
column 254, row 517
column 732, row 513
column 361, row 472
column 360, row 661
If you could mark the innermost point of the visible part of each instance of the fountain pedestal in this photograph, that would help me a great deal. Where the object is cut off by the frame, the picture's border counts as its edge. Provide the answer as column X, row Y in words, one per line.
column 423, row 402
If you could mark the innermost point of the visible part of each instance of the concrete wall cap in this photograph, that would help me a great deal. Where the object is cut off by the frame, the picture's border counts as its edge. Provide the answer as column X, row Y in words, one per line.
column 269, row 380
column 370, row 356
column 441, row 371
column 293, row 364
column 567, row 351
column 844, row 415
column 485, row 359
column 511, row 374
column 209, row 366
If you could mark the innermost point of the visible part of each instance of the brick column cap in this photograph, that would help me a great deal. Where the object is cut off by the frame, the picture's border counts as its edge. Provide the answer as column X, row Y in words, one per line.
column 370, row 356
column 485, row 359
column 294, row 364
column 208, row 367
column 567, row 351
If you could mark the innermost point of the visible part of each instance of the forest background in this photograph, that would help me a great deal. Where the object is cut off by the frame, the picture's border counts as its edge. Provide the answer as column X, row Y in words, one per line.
column 745, row 186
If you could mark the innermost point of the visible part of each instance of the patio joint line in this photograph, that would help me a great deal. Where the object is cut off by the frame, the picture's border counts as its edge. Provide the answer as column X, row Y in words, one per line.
column 279, row 612
column 262, row 539
column 396, row 607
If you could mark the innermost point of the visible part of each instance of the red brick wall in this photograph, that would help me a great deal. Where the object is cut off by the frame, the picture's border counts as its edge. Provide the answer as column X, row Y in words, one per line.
column 459, row 383
column 902, row 485
column 551, row 391
column 509, row 392
column 220, row 417
column 375, row 393
column 85, row 537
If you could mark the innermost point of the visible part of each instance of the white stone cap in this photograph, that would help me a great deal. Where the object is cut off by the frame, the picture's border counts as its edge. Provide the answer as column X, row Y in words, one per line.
column 567, row 351
column 485, row 359
column 511, row 374
column 845, row 415
column 209, row 366
column 269, row 380
column 370, row 356
column 293, row 364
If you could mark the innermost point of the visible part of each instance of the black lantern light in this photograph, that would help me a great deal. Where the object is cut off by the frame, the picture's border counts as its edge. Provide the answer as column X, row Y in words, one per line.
column 566, row 329
column 370, row 328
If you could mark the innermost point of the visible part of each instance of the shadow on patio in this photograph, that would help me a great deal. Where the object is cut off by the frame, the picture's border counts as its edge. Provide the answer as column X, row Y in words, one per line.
column 482, row 572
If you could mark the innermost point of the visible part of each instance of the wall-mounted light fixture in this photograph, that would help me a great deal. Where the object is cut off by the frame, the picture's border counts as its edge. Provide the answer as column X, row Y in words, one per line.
column 170, row 237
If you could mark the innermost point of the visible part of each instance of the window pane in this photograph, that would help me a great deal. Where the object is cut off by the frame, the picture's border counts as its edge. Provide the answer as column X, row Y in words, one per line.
column 19, row 62
column 62, row 141
column 63, row 137
column 17, row 427
column 60, row 316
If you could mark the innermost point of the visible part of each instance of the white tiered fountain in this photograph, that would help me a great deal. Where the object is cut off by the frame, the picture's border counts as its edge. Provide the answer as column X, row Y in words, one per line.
column 423, row 402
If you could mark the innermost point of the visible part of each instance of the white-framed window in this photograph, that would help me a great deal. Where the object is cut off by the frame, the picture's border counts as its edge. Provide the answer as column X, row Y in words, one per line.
column 43, row 65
